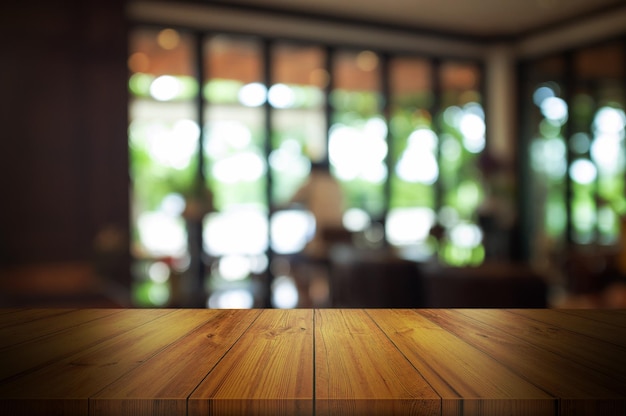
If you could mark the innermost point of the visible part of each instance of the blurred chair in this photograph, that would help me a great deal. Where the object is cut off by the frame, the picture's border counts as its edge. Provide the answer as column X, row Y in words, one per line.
column 372, row 278
column 490, row 285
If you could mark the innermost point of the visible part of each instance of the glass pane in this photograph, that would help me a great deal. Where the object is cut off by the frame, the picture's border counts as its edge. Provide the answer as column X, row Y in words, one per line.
column 298, row 119
column 163, row 142
column 463, row 179
column 598, row 123
column 297, row 98
column 357, row 123
column 548, row 113
column 236, row 234
column 414, row 157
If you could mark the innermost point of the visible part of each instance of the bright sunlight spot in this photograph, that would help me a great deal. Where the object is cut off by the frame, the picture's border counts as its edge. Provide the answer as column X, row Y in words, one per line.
column 175, row 146
column 583, row 171
column 241, row 230
column 368, row 162
column 281, row 96
column 165, row 88
column 409, row 225
column 291, row 230
column 356, row 219
column 466, row 235
column 284, row 293
column 252, row 95
column 161, row 234
column 240, row 167
column 231, row 299
column 234, row 267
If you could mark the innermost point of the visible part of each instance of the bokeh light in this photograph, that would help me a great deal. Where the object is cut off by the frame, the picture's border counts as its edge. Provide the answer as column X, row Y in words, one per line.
column 409, row 225
column 240, row 230
column 554, row 109
column 367, row 61
column 161, row 234
column 139, row 62
column 583, row 171
column 231, row 299
column 234, row 267
column 291, row 230
column 466, row 235
column 165, row 88
column 281, row 96
column 168, row 39
column 368, row 163
column 356, row 219
column 284, row 293
column 253, row 94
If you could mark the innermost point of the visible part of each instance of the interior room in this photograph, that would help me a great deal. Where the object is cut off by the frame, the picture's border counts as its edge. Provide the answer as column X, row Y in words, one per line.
column 165, row 154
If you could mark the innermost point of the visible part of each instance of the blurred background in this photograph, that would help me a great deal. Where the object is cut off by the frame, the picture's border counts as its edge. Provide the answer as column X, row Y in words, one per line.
column 151, row 151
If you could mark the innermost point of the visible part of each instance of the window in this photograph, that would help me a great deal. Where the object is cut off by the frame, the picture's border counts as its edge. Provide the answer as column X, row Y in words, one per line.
column 226, row 127
column 575, row 104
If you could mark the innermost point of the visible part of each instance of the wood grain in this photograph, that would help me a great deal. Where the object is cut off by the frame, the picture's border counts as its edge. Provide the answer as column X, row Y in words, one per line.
column 46, row 325
column 609, row 331
column 469, row 380
column 34, row 354
column 327, row 362
column 82, row 374
column 359, row 370
column 161, row 385
column 269, row 371
column 577, row 385
column 601, row 355
column 613, row 317
column 18, row 316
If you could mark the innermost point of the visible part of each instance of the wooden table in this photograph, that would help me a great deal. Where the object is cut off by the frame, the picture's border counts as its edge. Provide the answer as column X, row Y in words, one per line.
column 304, row 361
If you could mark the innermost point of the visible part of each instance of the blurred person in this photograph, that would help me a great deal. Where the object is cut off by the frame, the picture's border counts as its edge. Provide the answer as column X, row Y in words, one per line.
column 321, row 195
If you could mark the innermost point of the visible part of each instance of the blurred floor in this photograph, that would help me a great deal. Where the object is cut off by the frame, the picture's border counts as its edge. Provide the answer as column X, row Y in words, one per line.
column 67, row 285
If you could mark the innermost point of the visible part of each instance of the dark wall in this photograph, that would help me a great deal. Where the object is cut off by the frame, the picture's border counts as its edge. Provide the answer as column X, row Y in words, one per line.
column 63, row 143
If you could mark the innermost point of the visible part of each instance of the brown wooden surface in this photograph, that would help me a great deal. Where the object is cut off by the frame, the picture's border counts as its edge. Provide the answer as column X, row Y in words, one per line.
column 312, row 362
column 358, row 369
column 467, row 379
column 173, row 374
column 269, row 371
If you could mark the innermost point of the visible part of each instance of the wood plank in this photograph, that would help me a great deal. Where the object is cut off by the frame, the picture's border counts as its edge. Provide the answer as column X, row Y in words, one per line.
column 612, row 317
column 162, row 384
column 269, row 371
column 469, row 381
column 10, row 310
column 75, row 378
column 19, row 316
column 578, row 386
column 603, row 356
column 580, row 324
column 360, row 372
column 29, row 356
column 37, row 328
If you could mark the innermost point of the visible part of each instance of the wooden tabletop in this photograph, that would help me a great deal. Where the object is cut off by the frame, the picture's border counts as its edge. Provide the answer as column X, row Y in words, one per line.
column 312, row 362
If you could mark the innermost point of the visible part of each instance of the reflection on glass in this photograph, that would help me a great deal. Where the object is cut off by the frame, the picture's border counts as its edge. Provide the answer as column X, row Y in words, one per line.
column 258, row 135
column 608, row 153
column 463, row 180
column 298, row 120
column 235, row 167
column 163, row 140
column 415, row 168
column 549, row 157
column 357, row 123
column 595, row 118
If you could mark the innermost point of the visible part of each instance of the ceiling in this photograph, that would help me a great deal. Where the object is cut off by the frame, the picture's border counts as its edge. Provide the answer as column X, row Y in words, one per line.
column 473, row 18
